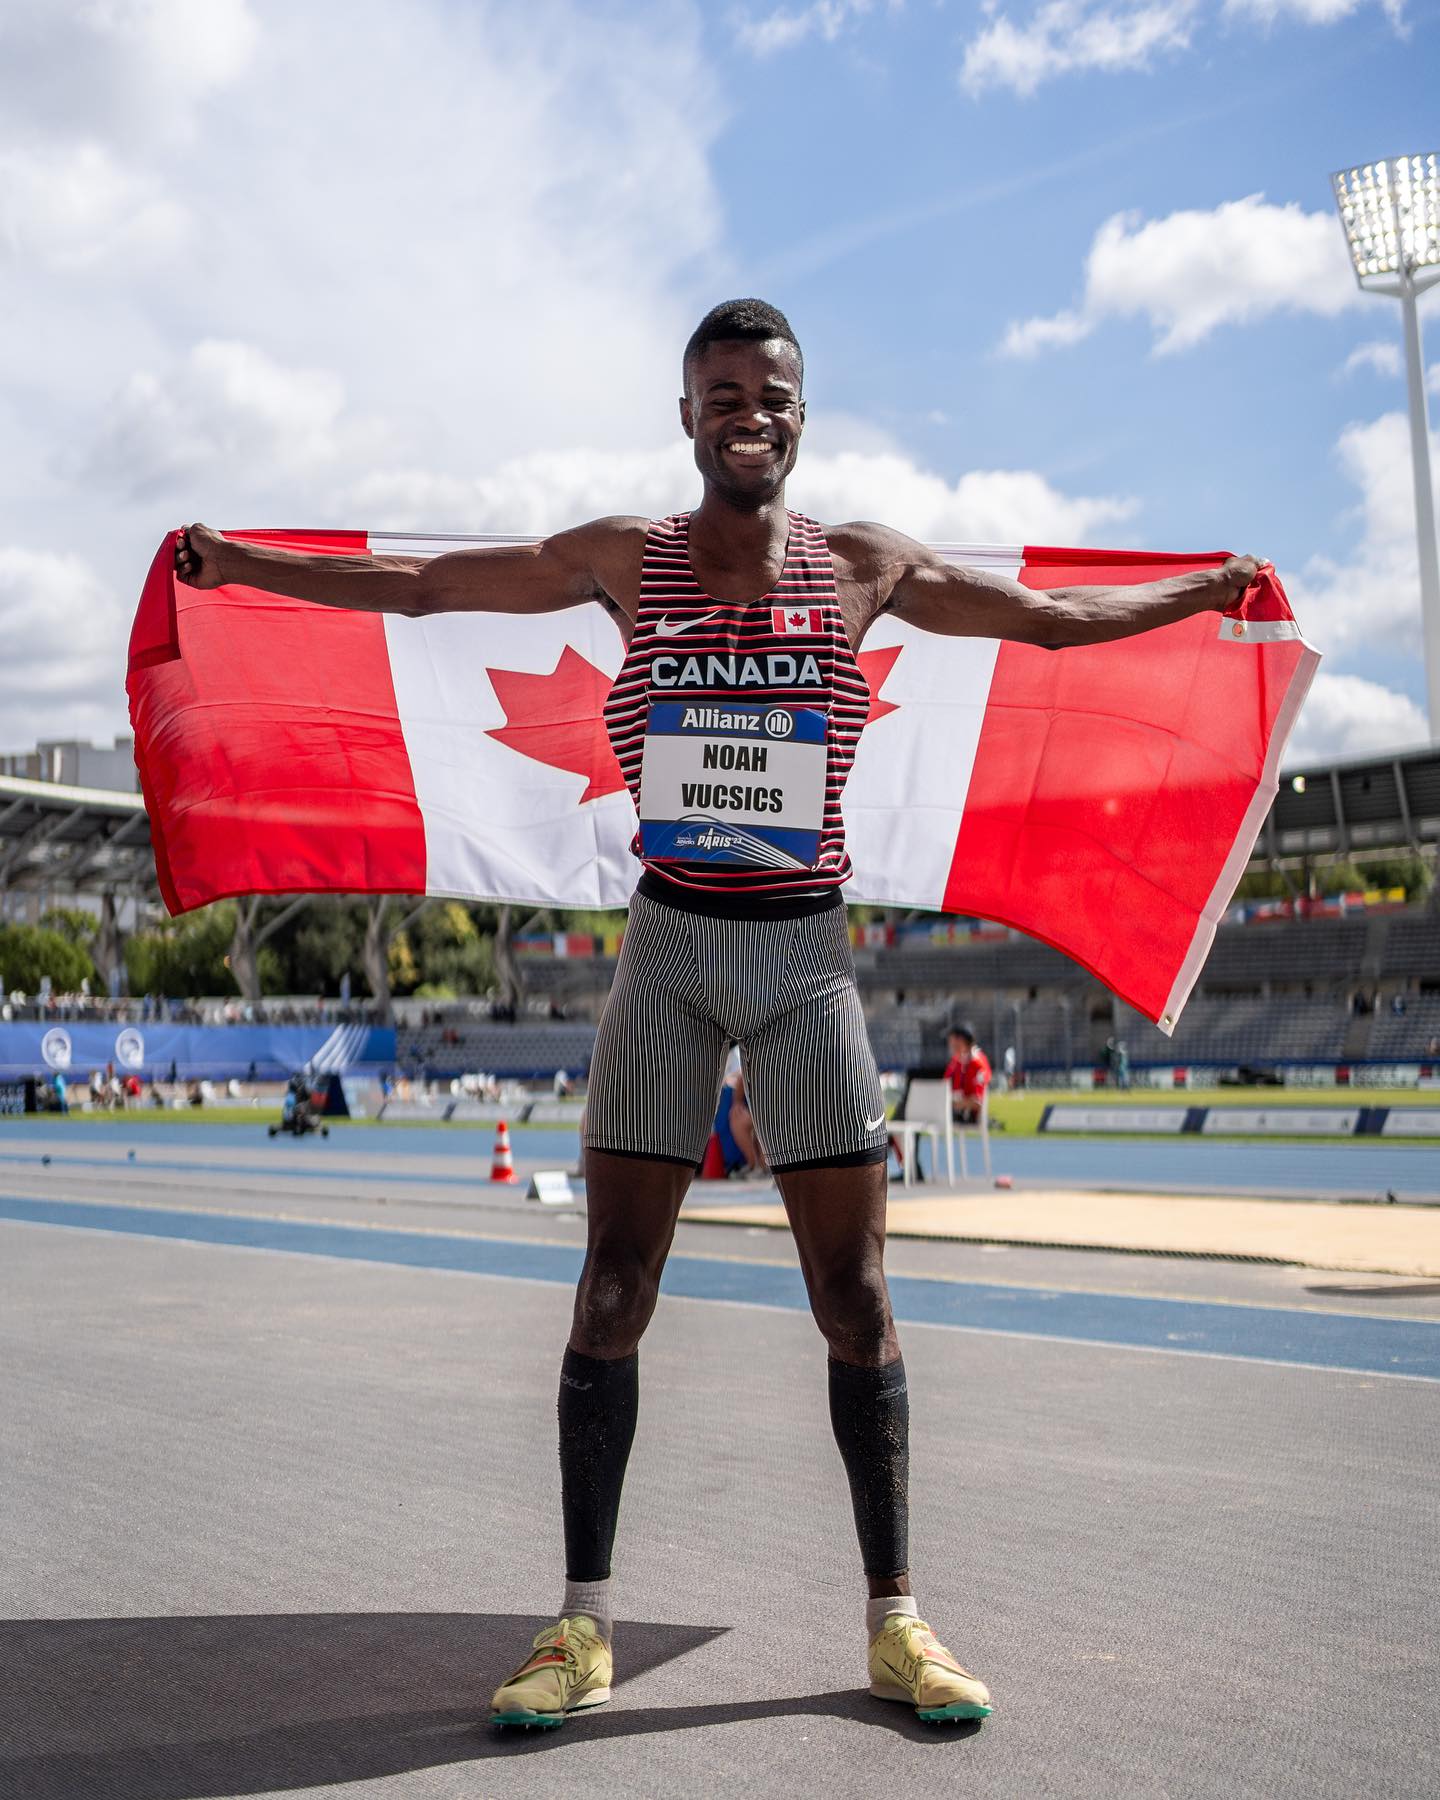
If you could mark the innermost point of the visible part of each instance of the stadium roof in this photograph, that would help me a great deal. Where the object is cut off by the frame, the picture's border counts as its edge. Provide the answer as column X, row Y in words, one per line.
column 72, row 837
column 1356, row 807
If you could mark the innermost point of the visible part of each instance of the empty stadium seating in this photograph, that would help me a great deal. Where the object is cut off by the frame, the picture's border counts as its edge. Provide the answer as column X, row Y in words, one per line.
column 1229, row 1029
column 1406, row 1037
column 1412, row 946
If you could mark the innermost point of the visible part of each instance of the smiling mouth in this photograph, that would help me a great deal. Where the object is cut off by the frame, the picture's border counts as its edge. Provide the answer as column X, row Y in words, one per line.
column 753, row 449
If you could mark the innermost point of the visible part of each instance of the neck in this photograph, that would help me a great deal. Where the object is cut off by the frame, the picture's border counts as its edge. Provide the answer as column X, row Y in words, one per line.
column 731, row 534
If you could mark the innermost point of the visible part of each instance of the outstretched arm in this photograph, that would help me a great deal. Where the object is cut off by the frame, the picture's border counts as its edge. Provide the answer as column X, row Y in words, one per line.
column 592, row 562
column 889, row 572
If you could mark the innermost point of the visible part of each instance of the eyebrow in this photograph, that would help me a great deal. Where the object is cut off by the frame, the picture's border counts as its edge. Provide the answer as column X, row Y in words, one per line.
column 780, row 387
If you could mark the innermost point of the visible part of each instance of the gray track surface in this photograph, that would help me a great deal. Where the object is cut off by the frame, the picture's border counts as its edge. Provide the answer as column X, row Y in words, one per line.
column 278, row 1523
column 1356, row 1169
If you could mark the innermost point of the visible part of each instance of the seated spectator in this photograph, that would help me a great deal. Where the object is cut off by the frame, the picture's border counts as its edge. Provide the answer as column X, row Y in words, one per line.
column 968, row 1073
column 734, row 1125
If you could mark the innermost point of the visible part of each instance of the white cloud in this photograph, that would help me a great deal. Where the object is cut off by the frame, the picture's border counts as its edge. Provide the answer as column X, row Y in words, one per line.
column 984, row 506
column 1371, row 600
column 1193, row 271
column 72, row 207
column 227, row 406
column 64, row 631
column 782, row 29
column 1067, row 35
column 540, row 492
column 131, row 72
column 1346, row 715
column 1380, row 356
column 1307, row 12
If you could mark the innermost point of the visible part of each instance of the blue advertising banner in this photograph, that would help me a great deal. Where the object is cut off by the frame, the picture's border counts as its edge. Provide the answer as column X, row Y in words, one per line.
column 193, row 1052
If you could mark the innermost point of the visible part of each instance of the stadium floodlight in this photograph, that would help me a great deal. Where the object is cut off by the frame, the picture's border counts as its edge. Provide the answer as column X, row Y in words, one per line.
column 1391, row 214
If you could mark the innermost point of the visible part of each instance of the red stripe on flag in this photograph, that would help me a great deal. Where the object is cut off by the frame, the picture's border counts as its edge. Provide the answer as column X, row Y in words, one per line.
column 1111, row 781
column 269, row 742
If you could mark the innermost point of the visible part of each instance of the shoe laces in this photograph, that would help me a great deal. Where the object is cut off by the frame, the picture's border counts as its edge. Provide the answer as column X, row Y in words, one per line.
column 560, row 1636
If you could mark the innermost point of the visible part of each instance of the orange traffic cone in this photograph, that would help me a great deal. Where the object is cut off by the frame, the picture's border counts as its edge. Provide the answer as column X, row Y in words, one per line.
column 502, row 1164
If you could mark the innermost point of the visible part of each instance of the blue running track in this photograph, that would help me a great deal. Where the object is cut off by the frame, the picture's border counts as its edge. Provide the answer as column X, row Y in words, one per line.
column 1312, row 1339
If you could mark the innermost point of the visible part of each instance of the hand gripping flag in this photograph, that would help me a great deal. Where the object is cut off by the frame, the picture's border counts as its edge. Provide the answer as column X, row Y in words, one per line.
column 1104, row 799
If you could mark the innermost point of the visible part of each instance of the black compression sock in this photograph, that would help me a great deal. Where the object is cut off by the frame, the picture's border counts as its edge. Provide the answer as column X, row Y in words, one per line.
column 599, row 1400
column 870, row 1413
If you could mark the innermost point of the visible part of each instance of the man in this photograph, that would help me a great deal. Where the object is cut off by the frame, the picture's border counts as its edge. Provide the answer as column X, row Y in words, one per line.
column 734, row 719
column 967, row 1074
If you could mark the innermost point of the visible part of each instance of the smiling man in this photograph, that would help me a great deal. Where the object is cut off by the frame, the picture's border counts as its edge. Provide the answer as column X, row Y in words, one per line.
column 735, row 718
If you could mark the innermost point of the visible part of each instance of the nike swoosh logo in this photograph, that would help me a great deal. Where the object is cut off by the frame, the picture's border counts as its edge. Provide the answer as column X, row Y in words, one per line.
column 670, row 628
column 870, row 1124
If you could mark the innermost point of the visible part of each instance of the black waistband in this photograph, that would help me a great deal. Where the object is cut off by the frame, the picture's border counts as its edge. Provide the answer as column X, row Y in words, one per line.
column 719, row 905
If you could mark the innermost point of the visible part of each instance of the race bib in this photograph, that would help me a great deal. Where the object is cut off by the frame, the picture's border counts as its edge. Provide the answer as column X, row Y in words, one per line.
column 728, row 784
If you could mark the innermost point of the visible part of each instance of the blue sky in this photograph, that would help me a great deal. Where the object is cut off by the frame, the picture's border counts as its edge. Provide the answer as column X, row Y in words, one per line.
column 430, row 266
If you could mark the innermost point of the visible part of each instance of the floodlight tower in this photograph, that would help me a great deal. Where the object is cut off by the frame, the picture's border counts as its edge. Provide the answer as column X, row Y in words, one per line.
column 1391, row 214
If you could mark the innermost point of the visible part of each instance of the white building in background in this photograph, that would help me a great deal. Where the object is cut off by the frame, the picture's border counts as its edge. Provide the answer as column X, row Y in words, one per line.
column 71, row 763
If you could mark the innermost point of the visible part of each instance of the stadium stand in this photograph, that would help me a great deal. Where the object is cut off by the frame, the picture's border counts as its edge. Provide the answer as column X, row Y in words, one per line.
column 524, row 1049
column 1225, row 1029
column 1407, row 1036
column 1412, row 947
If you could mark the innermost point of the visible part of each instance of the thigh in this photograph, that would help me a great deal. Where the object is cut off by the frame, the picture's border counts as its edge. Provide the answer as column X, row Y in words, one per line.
column 658, row 1061
column 631, row 1205
column 811, row 1081
column 837, row 1216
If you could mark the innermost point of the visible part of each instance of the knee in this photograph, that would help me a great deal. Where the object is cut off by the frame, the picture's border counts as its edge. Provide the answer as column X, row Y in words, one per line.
column 613, row 1305
column 852, row 1309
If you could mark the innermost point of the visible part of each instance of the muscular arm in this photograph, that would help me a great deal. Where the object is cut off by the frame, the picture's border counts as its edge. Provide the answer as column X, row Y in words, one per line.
column 880, row 570
column 599, row 561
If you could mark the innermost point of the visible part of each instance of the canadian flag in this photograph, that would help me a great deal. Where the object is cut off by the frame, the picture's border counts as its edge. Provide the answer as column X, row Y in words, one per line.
column 807, row 620
column 1103, row 799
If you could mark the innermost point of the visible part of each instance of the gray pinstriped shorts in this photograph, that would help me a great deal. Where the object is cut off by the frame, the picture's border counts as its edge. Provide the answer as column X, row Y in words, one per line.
column 686, row 988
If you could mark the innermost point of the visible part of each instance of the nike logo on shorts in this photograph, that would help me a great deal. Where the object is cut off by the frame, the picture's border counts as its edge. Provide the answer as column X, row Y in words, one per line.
column 668, row 627
column 870, row 1124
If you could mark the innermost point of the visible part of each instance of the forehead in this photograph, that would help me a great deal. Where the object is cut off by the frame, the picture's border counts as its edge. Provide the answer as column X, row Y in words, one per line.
column 745, row 363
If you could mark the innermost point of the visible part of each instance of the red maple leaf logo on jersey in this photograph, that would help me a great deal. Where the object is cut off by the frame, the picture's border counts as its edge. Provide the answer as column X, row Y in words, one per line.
column 558, row 719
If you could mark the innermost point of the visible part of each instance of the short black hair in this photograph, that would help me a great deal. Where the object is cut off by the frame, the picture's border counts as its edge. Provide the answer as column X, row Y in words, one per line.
column 740, row 321
column 965, row 1031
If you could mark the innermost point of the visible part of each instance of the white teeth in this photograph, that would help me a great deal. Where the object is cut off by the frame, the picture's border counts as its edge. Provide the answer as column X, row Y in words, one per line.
column 748, row 449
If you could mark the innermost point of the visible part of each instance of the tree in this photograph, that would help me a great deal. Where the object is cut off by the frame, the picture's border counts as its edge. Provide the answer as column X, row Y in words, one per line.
column 74, row 924
column 446, row 948
column 28, row 953
column 189, row 956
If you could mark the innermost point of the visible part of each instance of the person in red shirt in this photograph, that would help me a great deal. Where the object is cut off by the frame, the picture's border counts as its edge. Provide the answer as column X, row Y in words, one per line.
column 968, row 1073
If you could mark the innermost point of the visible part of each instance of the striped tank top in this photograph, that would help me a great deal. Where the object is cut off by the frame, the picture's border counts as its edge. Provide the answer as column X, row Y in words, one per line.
column 735, row 725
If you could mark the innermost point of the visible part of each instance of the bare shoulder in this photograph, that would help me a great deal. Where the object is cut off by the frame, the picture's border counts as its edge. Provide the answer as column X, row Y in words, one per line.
column 872, row 562
column 611, row 550
column 867, row 549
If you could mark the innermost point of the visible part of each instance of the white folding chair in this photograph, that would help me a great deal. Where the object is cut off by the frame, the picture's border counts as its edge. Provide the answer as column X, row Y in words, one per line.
column 908, row 1130
column 928, row 1103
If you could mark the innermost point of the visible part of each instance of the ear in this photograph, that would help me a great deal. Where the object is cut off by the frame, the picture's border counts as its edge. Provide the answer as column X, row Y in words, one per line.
column 802, row 415
column 687, row 416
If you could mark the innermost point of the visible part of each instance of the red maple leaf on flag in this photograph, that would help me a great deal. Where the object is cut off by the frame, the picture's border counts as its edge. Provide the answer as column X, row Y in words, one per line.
column 557, row 719
column 875, row 666
column 797, row 619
